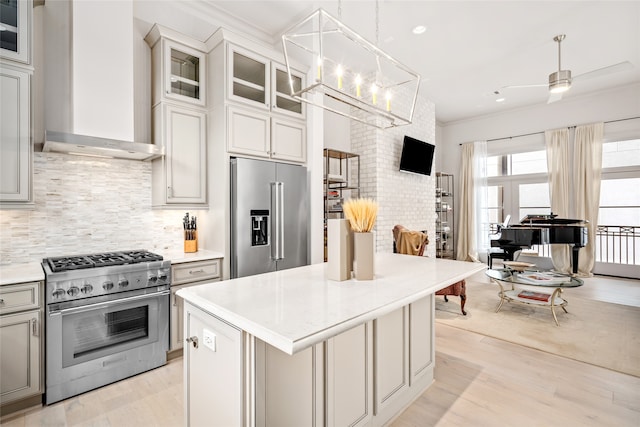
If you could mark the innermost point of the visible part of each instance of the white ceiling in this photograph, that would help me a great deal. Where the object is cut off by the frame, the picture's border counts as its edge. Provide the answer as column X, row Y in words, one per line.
column 471, row 48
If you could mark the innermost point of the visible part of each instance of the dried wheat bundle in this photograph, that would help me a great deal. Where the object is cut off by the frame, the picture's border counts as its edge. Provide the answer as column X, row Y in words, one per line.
column 361, row 214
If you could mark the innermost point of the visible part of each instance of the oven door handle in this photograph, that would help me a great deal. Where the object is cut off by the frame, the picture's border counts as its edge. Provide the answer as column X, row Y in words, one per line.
column 106, row 304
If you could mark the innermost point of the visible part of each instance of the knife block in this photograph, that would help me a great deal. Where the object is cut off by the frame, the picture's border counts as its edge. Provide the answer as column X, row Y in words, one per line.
column 191, row 245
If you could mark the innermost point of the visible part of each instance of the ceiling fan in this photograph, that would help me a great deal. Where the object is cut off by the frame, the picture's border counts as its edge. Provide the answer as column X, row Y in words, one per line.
column 560, row 81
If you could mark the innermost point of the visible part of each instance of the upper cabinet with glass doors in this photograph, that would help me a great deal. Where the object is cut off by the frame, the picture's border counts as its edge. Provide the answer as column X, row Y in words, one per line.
column 15, row 28
column 282, row 100
column 262, row 83
column 179, row 68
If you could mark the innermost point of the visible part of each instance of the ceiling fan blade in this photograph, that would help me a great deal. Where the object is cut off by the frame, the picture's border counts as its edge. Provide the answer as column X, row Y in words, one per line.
column 553, row 97
column 615, row 68
column 525, row 86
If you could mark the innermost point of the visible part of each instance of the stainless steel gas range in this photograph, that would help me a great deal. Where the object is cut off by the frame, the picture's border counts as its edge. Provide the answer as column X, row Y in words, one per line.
column 107, row 319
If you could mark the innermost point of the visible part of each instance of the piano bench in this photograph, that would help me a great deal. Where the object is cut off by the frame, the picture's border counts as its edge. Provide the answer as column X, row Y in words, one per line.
column 499, row 254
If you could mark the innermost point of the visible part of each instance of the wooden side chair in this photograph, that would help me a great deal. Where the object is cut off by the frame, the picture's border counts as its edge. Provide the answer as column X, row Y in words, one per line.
column 410, row 242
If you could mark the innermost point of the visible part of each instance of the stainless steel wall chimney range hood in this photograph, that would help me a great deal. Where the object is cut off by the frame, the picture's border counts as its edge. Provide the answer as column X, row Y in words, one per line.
column 84, row 145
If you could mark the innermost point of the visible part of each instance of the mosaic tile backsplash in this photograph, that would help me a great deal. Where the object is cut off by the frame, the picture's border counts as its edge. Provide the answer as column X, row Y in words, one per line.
column 85, row 205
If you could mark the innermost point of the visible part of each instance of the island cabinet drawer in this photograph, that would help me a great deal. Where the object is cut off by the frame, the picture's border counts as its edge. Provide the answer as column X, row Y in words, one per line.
column 195, row 271
column 25, row 296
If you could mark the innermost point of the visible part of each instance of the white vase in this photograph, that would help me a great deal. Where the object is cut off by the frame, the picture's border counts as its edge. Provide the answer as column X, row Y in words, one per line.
column 338, row 251
column 363, row 251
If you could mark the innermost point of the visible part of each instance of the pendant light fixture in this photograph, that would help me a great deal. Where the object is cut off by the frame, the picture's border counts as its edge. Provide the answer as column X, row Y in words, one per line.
column 379, row 90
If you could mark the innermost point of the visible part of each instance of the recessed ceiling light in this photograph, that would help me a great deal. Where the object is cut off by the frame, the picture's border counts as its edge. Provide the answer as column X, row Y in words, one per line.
column 500, row 100
column 419, row 29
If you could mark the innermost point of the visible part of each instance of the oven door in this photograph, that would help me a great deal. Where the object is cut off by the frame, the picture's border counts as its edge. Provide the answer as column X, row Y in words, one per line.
column 90, row 345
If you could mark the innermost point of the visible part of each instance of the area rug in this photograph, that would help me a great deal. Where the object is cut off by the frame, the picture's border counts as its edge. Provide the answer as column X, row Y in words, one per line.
column 594, row 332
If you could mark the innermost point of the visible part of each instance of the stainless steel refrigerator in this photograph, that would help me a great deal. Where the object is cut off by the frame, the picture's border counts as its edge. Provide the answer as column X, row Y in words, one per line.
column 269, row 216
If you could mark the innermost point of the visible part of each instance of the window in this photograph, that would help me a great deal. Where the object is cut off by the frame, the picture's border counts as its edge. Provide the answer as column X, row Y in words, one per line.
column 621, row 153
column 619, row 202
column 517, row 164
column 534, row 199
column 517, row 185
column 531, row 162
column 495, row 204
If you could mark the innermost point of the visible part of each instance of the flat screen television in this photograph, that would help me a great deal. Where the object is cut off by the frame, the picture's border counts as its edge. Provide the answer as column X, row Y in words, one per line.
column 417, row 156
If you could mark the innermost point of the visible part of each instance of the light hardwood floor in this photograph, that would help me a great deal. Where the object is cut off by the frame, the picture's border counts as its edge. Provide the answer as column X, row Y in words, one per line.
column 479, row 381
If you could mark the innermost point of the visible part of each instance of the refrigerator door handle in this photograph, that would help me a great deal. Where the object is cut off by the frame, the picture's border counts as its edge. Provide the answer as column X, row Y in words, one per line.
column 277, row 206
column 280, row 231
column 274, row 220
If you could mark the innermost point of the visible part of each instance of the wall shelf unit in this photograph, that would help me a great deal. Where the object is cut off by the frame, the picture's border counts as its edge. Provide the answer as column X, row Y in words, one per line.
column 445, row 218
column 341, row 181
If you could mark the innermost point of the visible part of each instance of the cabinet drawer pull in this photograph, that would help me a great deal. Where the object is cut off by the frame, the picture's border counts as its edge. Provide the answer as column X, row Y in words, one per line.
column 193, row 340
column 196, row 271
column 34, row 327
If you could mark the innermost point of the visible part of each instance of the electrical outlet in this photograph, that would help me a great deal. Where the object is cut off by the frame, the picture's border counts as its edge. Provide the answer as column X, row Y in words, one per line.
column 209, row 339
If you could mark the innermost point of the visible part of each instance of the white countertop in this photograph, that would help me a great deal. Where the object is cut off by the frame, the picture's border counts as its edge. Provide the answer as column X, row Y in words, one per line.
column 299, row 307
column 21, row 273
column 178, row 256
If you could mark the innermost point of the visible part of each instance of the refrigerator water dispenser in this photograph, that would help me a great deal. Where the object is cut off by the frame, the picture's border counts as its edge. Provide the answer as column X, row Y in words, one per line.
column 259, row 227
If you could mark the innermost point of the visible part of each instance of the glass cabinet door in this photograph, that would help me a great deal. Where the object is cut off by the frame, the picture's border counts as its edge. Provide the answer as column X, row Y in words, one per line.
column 15, row 23
column 184, row 73
column 249, row 77
column 283, row 102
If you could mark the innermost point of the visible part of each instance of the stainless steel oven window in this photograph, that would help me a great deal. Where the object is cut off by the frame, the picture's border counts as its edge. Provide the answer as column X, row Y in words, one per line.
column 92, row 332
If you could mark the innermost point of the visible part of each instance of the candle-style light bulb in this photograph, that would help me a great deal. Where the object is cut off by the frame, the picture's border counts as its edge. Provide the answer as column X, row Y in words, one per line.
column 358, row 86
column 374, row 94
column 319, row 76
column 388, row 97
column 339, row 73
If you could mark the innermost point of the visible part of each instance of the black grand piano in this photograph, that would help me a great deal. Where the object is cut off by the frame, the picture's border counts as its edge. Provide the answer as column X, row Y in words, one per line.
column 543, row 230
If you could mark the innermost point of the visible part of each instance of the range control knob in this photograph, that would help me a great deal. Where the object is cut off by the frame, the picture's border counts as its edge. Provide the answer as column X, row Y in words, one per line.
column 73, row 291
column 123, row 283
column 86, row 289
column 152, row 279
column 108, row 285
column 59, row 293
column 162, row 275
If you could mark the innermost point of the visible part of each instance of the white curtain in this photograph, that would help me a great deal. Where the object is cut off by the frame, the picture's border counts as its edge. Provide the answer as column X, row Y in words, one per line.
column 473, row 218
column 588, row 169
column 559, row 166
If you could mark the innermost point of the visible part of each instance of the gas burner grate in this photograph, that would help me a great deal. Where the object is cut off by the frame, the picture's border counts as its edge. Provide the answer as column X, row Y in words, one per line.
column 69, row 263
column 142, row 256
column 106, row 259
column 59, row 264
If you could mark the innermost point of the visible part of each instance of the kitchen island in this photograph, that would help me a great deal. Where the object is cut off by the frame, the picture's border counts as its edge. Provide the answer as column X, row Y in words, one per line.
column 294, row 348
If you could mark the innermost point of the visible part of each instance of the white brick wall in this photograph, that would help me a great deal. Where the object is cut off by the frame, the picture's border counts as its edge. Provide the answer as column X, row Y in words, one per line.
column 86, row 205
column 403, row 198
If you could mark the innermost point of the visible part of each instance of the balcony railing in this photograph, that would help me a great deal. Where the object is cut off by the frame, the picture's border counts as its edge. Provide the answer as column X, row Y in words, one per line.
column 618, row 244
column 615, row 244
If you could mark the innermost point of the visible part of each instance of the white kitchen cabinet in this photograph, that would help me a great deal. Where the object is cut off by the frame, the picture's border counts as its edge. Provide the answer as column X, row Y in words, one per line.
column 350, row 377
column 15, row 134
column 288, row 140
column 248, row 80
column 391, row 357
column 180, row 177
column 21, row 341
column 259, row 82
column 16, row 19
column 258, row 134
column 422, row 336
column 281, row 100
column 184, row 275
column 249, row 132
column 178, row 67
column 213, row 356
column 286, row 385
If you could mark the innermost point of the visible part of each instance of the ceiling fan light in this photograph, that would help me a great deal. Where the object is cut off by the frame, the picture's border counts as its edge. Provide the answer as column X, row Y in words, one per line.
column 560, row 81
